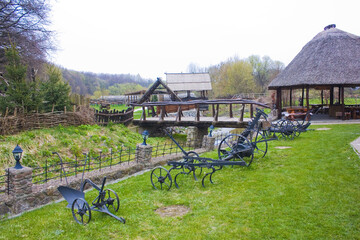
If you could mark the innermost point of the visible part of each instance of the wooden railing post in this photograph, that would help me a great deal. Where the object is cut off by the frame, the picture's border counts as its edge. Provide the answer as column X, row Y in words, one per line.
column 178, row 116
column 242, row 113
column 216, row 117
column 230, row 110
column 197, row 119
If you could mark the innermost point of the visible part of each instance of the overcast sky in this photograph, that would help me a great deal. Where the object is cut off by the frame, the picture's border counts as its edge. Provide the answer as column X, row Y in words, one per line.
column 151, row 37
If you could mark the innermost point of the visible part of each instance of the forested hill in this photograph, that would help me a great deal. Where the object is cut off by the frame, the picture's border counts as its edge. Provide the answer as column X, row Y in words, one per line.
column 87, row 83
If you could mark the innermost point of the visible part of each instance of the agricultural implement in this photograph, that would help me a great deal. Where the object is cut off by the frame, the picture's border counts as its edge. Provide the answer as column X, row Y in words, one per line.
column 191, row 163
column 247, row 144
column 161, row 177
column 107, row 200
column 288, row 129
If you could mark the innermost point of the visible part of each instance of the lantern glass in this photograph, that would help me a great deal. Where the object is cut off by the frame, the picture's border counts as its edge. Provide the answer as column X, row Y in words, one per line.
column 211, row 129
column 17, row 152
column 145, row 136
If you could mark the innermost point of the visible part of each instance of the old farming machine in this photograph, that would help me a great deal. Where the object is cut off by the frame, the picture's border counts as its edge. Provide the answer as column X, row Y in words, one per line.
column 251, row 142
column 288, row 129
column 233, row 150
column 107, row 200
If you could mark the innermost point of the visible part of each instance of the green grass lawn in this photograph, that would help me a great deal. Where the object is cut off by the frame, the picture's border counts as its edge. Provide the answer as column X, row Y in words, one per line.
column 309, row 191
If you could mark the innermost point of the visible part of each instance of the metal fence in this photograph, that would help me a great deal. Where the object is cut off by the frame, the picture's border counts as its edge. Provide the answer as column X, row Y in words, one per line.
column 48, row 171
column 51, row 169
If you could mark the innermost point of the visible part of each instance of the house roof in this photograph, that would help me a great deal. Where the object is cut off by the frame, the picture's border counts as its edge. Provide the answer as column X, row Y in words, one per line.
column 331, row 58
column 188, row 81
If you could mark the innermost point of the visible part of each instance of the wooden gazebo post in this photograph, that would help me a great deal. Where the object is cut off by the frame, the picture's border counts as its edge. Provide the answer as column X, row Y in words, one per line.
column 307, row 96
column 278, row 101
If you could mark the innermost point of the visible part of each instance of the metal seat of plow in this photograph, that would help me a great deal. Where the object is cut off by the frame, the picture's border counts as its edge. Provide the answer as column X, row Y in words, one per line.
column 70, row 194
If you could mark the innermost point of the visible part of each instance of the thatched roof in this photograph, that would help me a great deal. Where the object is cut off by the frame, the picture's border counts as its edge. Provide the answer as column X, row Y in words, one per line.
column 331, row 58
column 188, row 81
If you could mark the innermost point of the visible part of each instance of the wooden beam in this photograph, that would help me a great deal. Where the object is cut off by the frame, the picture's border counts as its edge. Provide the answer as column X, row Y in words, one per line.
column 216, row 117
column 291, row 93
column 230, row 110
column 278, row 101
column 307, row 96
column 179, row 113
column 302, row 97
column 251, row 111
column 143, row 116
column 331, row 96
column 341, row 89
column 197, row 106
column 242, row 113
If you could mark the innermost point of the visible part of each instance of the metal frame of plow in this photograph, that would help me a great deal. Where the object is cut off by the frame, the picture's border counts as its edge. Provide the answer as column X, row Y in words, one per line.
column 161, row 177
column 107, row 200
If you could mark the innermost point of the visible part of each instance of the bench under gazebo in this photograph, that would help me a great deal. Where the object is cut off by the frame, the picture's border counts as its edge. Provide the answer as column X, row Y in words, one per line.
column 330, row 62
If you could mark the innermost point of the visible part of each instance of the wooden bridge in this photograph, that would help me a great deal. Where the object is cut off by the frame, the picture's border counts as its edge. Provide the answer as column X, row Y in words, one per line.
column 171, row 113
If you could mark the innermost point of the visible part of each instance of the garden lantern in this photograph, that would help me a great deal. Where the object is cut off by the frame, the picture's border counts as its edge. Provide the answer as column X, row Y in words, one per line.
column 211, row 128
column 17, row 152
column 145, row 136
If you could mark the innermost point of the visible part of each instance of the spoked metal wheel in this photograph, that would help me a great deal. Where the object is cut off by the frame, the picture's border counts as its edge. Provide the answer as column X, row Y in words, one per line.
column 297, row 126
column 112, row 201
column 236, row 146
column 197, row 170
column 259, row 144
column 287, row 130
column 81, row 211
column 161, row 178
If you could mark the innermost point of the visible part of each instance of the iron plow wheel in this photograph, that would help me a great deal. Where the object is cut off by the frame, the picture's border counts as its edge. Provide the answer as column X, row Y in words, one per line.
column 81, row 211
column 259, row 144
column 287, row 129
column 111, row 200
column 160, row 178
column 236, row 146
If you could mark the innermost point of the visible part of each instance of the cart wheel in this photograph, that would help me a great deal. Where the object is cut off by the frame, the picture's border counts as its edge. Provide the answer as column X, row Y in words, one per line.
column 81, row 211
column 236, row 146
column 161, row 178
column 259, row 145
column 197, row 170
column 297, row 126
column 287, row 130
column 112, row 200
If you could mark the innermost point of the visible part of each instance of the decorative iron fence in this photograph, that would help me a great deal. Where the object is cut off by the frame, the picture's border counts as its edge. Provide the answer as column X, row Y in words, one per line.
column 73, row 167
column 48, row 172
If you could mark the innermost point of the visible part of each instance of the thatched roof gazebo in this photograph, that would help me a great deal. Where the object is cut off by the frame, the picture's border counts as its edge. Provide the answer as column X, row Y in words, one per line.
column 330, row 60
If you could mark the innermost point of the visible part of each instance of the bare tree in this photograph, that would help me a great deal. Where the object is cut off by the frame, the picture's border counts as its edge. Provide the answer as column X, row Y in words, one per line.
column 24, row 23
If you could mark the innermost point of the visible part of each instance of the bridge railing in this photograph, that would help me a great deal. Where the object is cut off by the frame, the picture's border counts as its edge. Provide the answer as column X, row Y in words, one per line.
column 179, row 107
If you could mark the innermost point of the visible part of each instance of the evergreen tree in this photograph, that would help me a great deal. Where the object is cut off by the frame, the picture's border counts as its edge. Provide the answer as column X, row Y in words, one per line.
column 55, row 91
column 18, row 93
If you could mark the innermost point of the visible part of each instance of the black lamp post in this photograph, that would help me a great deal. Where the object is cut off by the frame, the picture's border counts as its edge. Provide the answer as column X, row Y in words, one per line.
column 145, row 136
column 211, row 128
column 17, row 152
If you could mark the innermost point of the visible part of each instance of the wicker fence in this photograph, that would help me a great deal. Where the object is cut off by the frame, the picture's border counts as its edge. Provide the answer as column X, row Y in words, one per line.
column 20, row 121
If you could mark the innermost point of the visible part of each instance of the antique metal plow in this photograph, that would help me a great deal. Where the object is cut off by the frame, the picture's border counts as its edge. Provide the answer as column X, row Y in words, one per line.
column 161, row 177
column 289, row 129
column 106, row 202
column 252, row 142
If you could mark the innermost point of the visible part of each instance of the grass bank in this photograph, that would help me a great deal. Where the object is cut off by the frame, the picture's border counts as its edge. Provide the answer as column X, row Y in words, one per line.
column 38, row 145
column 308, row 191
